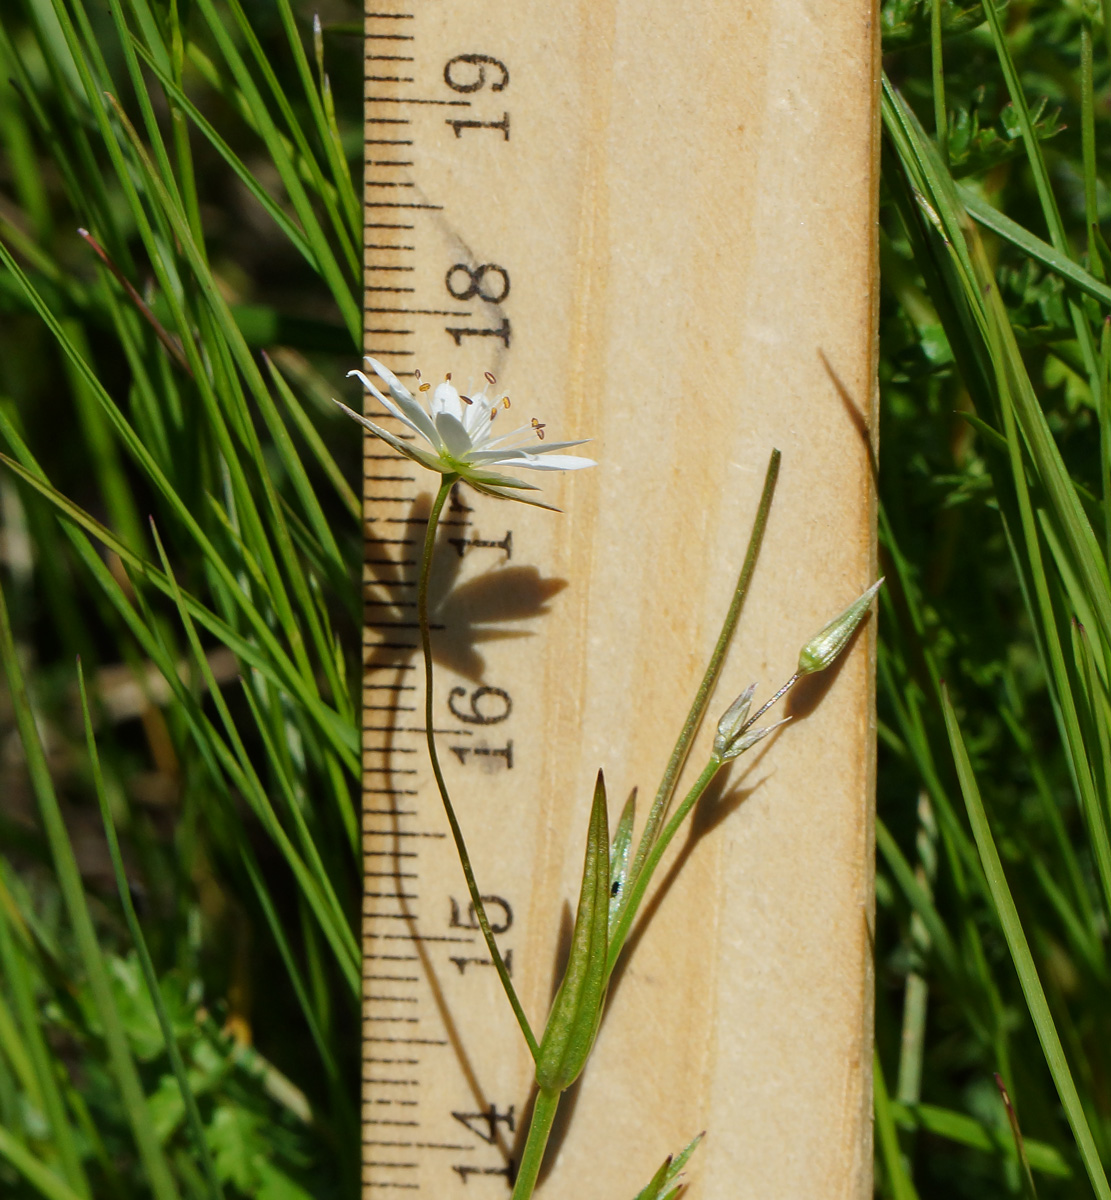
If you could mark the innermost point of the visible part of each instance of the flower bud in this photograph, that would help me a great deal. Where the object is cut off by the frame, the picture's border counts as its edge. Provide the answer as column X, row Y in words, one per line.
column 824, row 647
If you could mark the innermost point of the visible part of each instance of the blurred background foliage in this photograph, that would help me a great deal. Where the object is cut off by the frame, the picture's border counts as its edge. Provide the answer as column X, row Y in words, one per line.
column 179, row 296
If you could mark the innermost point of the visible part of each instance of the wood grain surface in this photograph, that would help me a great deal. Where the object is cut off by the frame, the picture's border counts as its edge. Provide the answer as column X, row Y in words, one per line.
column 655, row 223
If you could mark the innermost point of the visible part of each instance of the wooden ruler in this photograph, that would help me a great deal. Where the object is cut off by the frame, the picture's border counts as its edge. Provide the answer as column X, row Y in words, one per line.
column 655, row 224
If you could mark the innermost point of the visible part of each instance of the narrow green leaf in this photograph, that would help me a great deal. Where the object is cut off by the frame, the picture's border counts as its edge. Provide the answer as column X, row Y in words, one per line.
column 657, row 814
column 1022, row 239
column 329, row 268
column 651, row 1191
column 286, row 360
column 1036, row 157
column 348, row 235
column 315, row 886
column 577, row 1008
column 919, row 898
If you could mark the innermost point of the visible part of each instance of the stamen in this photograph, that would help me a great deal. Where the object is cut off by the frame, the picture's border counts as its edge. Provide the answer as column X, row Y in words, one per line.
column 425, row 387
column 490, row 378
column 539, row 428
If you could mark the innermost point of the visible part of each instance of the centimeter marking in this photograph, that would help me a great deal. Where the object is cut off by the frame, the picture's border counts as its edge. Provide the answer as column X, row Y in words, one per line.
column 415, row 1137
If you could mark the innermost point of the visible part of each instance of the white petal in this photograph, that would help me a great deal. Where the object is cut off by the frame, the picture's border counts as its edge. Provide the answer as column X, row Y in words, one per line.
column 406, row 410
column 455, row 438
column 556, row 462
column 445, row 399
column 399, row 391
column 416, row 453
column 515, row 454
column 491, row 456
column 548, row 447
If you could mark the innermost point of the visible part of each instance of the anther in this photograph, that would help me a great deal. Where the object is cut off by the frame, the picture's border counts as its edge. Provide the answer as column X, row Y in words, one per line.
column 505, row 401
column 448, row 376
column 425, row 387
column 466, row 399
column 490, row 378
column 539, row 428
column 416, row 372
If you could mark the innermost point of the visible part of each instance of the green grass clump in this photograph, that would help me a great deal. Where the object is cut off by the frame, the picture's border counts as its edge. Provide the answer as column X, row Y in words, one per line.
column 178, row 194
column 179, row 969
column 994, row 860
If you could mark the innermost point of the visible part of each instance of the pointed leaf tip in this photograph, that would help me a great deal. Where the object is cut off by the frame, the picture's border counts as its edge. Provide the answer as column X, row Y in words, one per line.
column 577, row 1009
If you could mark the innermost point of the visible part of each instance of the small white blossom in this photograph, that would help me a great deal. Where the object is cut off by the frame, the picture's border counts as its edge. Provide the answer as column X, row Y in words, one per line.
column 458, row 432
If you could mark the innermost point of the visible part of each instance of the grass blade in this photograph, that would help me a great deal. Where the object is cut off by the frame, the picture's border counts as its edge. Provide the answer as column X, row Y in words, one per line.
column 192, row 1114
column 1023, row 960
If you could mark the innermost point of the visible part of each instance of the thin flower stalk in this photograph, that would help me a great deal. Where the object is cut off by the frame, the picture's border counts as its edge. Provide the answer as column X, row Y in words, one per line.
column 446, row 485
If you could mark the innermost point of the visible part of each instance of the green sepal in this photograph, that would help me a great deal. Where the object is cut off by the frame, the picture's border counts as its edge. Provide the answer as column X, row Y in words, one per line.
column 619, row 856
column 577, row 1009
column 665, row 1184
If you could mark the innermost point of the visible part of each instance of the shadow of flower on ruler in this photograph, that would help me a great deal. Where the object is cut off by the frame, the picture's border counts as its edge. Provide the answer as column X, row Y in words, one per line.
column 463, row 614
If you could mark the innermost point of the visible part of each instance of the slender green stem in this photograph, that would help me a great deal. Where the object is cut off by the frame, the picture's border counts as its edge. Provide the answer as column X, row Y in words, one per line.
column 1104, row 398
column 434, row 758
column 540, row 1127
column 1106, row 6
column 908, row 1088
column 640, row 884
column 1088, row 149
column 767, row 704
column 697, row 711
column 1095, row 263
column 941, row 117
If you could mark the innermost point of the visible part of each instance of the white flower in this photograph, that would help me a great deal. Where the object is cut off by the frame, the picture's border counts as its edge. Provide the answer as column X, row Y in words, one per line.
column 459, row 433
